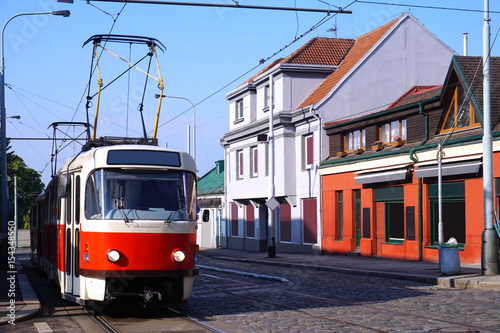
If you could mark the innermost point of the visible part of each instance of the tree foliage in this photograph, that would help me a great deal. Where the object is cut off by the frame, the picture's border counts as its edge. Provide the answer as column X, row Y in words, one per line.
column 29, row 186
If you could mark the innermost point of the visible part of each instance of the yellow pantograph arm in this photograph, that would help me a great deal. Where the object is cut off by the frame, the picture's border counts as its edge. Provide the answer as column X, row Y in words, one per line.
column 132, row 65
column 99, row 82
column 160, row 85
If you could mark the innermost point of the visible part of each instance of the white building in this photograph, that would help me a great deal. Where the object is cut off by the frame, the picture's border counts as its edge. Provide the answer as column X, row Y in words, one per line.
column 327, row 79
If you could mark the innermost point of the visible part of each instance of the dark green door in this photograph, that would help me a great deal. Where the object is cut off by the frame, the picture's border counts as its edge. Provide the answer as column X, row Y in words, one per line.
column 357, row 215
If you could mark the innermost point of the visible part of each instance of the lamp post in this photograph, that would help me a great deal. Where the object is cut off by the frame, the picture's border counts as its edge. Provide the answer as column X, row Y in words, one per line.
column 3, row 157
column 194, row 123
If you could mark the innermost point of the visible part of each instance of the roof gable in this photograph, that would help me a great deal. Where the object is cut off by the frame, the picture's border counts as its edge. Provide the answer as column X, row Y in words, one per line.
column 470, row 73
column 361, row 47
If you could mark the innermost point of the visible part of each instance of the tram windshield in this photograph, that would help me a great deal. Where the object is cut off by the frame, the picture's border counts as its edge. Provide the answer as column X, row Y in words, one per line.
column 131, row 195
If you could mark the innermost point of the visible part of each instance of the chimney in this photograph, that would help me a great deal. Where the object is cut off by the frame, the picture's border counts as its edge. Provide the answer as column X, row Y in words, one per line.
column 466, row 44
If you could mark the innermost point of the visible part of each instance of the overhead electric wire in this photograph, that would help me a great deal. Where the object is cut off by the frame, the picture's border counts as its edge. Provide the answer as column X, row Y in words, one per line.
column 261, row 62
column 424, row 6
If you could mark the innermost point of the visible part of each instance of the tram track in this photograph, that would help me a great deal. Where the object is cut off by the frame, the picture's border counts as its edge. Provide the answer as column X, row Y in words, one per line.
column 245, row 285
column 107, row 326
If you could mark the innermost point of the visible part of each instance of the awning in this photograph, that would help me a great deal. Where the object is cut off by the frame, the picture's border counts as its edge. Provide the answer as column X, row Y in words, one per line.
column 382, row 176
column 449, row 169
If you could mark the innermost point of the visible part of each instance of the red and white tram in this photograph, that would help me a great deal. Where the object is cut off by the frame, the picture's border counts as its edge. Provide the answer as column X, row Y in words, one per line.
column 119, row 221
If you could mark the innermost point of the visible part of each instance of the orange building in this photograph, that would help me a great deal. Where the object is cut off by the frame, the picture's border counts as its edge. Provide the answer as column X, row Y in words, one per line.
column 380, row 184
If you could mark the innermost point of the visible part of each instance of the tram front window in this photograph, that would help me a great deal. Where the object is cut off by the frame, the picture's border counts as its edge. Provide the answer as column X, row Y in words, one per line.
column 131, row 195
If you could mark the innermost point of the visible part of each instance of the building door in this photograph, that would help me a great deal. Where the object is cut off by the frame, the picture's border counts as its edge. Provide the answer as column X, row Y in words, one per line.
column 72, row 237
column 357, row 216
column 309, row 216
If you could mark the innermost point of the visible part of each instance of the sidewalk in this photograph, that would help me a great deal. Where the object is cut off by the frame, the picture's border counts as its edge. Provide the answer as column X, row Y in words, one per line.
column 418, row 271
column 18, row 301
column 27, row 304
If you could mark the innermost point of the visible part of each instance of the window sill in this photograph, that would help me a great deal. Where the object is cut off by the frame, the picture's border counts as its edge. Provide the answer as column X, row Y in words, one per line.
column 237, row 121
column 393, row 242
column 436, row 247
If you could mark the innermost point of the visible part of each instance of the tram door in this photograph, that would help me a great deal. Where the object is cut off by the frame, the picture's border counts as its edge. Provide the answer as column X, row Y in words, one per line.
column 72, row 236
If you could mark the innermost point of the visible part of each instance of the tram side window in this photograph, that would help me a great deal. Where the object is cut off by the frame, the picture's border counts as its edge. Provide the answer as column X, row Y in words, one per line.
column 92, row 196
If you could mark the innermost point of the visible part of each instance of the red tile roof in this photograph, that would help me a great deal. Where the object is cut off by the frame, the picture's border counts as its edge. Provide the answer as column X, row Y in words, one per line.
column 317, row 51
column 416, row 94
column 321, row 51
column 361, row 47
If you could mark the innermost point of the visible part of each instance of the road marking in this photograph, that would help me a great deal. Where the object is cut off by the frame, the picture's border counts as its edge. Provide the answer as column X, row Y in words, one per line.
column 43, row 328
column 257, row 276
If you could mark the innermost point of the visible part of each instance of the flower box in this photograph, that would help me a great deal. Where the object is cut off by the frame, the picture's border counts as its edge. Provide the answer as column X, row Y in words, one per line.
column 341, row 154
column 398, row 143
column 377, row 147
column 358, row 151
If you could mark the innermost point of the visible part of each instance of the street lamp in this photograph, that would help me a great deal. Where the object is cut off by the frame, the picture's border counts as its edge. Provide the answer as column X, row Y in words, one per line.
column 194, row 122
column 3, row 157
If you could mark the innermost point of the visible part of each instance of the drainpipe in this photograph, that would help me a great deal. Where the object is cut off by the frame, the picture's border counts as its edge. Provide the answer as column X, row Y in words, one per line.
column 320, row 192
column 224, row 207
column 271, row 247
column 414, row 159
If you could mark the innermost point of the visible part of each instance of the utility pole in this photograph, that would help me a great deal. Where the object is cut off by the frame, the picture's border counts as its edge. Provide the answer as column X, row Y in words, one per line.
column 489, row 248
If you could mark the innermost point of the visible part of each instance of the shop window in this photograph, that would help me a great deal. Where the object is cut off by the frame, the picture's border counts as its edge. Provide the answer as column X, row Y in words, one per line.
column 393, row 131
column 393, row 213
column 460, row 114
column 453, row 212
column 355, row 140
column 394, row 222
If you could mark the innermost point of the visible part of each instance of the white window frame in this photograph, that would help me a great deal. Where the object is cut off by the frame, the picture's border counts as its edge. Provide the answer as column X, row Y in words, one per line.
column 238, row 110
column 239, row 164
column 254, row 162
column 305, row 151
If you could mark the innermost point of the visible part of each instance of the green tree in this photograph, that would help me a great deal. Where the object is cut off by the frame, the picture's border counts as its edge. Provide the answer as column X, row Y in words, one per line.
column 29, row 186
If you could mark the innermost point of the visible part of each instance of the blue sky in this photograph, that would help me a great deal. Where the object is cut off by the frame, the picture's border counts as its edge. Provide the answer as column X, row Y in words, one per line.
column 47, row 69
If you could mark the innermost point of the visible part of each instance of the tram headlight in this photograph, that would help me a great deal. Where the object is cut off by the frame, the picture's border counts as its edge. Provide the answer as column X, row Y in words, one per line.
column 178, row 256
column 113, row 255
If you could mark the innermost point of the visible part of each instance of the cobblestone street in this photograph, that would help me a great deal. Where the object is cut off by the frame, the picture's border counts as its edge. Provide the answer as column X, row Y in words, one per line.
column 319, row 301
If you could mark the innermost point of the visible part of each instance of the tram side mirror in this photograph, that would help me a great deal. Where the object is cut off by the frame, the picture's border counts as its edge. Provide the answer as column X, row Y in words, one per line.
column 206, row 215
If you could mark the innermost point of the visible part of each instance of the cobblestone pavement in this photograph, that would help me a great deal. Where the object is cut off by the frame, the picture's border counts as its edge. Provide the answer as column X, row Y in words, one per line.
column 318, row 301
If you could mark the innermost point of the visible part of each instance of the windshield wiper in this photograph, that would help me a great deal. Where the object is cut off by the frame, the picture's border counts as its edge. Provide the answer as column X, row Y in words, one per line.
column 119, row 203
column 170, row 218
column 124, row 215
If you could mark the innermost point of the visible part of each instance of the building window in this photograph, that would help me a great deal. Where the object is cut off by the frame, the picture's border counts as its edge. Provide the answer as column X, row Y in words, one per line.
column 234, row 219
column 391, row 210
column 453, row 210
column 266, row 150
column 339, row 196
column 266, row 97
column 254, row 161
column 355, row 140
column 394, row 222
column 250, row 221
column 238, row 110
column 285, row 212
column 239, row 164
column 393, row 131
column 308, row 151
column 460, row 114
